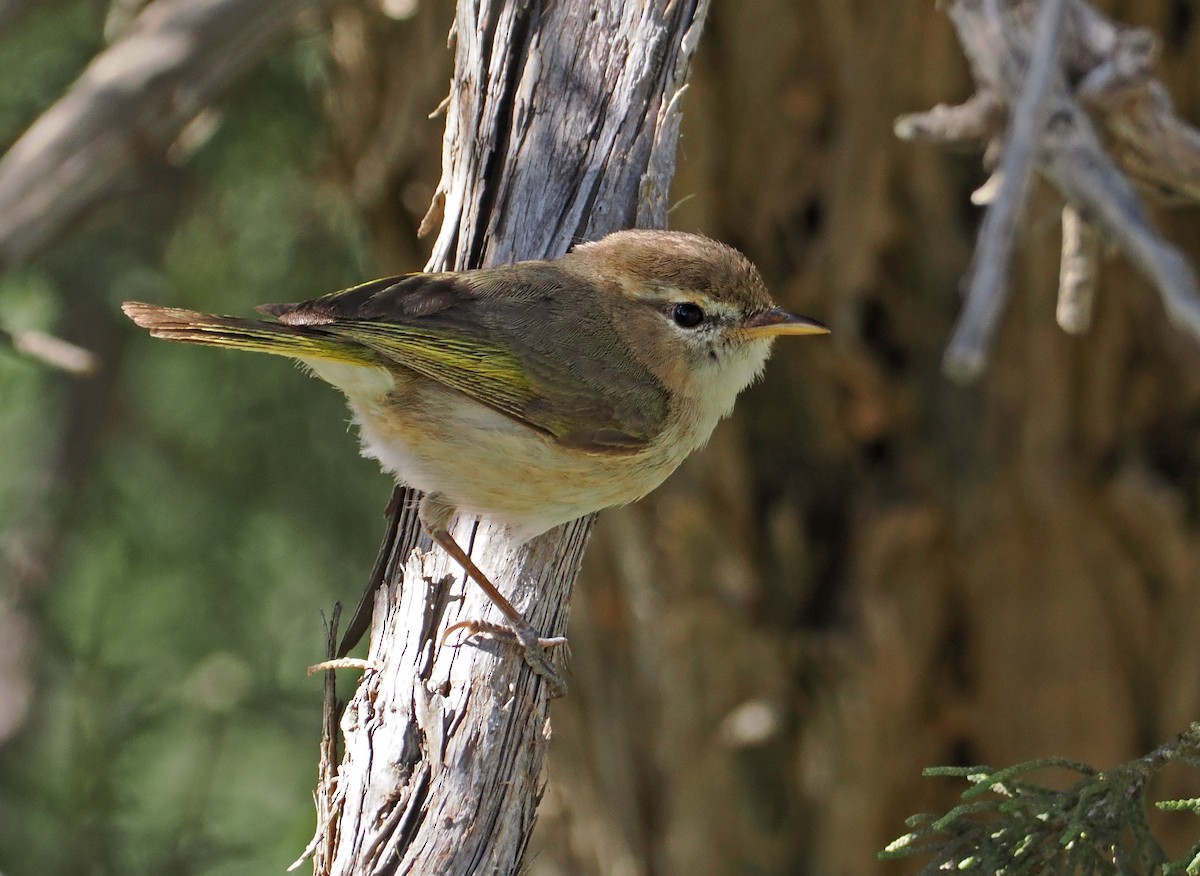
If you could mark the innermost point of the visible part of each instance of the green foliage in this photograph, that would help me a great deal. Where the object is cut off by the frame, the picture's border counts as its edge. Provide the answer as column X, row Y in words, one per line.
column 49, row 46
column 1010, row 825
column 220, row 503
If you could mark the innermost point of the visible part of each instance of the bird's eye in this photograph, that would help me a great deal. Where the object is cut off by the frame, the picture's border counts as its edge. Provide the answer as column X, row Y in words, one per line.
column 687, row 315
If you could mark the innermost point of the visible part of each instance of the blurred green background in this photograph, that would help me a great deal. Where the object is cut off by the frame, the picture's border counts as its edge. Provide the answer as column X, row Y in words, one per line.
column 175, row 524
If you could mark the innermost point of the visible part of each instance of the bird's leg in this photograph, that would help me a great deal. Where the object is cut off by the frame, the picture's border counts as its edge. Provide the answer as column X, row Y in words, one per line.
column 435, row 515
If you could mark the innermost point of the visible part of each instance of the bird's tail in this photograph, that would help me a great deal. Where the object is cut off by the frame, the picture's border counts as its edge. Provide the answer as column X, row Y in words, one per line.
column 260, row 336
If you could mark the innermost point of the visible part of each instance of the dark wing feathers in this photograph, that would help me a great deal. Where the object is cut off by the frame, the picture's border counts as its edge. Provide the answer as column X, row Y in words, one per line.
column 509, row 338
column 396, row 299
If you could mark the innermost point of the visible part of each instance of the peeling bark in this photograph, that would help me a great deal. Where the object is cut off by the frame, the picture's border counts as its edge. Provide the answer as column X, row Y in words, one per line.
column 562, row 126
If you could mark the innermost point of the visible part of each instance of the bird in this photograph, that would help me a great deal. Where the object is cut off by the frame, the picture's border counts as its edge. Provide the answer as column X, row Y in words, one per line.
column 530, row 393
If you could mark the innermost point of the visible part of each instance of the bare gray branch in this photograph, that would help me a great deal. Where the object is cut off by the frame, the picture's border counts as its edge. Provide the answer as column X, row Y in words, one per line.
column 1095, row 142
column 129, row 105
column 52, row 351
column 1077, row 273
column 988, row 288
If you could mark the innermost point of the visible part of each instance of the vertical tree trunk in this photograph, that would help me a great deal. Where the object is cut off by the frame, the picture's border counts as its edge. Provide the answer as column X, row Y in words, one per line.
column 562, row 126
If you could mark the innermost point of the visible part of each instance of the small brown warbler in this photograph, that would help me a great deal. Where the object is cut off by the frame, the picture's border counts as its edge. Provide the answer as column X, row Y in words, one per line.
column 532, row 393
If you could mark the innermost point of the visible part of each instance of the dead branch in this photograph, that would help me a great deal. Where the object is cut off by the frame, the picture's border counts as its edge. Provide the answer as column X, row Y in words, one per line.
column 1084, row 110
column 51, row 351
column 1077, row 272
column 327, row 785
column 133, row 101
column 561, row 126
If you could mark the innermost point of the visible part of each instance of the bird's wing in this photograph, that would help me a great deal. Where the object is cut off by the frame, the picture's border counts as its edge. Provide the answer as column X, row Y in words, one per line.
column 511, row 339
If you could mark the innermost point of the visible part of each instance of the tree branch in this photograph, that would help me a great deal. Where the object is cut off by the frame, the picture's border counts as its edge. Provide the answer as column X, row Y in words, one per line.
column 1077, row 272
column 1095, row 140
column 133, row 100
column 51, row 351
column 561, row 126
column 988, row 288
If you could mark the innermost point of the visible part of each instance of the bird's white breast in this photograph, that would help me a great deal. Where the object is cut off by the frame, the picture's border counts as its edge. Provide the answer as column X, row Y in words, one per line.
column 485, row 463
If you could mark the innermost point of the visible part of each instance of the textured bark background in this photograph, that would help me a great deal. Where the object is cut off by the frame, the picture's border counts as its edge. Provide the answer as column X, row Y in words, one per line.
column 871, row 570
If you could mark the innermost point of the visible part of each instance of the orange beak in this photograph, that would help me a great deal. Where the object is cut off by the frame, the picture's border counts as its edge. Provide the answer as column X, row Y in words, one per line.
column 777, row 321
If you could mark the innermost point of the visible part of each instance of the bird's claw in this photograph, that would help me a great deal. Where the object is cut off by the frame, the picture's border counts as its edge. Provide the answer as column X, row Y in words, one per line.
column 534, row 648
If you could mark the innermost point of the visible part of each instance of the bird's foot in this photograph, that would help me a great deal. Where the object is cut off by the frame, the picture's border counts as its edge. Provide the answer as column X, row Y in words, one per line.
column 535, row 649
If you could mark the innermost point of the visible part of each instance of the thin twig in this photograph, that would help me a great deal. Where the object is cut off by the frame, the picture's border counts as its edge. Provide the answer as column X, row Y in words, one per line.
column 320, row 846
column 988, row 288
column 1089, row 178
column 52, row 351
column 1077, row 272
column 973, row 121
column 343, row 663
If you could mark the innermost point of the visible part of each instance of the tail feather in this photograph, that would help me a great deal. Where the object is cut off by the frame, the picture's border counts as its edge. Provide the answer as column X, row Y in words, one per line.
column 298, row 342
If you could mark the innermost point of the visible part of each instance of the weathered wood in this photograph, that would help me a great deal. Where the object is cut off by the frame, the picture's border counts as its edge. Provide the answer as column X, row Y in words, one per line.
column 1088, row 114
column 132, row 101
column 562, row 126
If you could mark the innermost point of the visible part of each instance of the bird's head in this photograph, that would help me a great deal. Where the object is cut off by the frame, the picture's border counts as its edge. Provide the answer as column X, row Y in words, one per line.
column 694, row 310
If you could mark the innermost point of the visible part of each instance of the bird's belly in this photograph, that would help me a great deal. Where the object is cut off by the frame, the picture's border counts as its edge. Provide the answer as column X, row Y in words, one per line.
column 487, row 464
